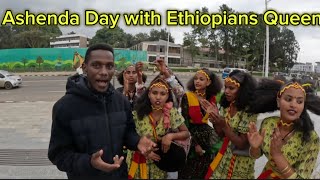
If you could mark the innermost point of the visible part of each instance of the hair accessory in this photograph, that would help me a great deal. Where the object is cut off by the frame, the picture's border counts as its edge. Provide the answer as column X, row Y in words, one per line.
column 159, row 85
column 204, row 73
column 307, row 84
column 228, row 79
column 280, row 81
column 293, row 85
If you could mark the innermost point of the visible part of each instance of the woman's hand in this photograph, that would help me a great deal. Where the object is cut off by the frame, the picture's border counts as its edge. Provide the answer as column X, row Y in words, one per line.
column 199, row 150
column 166, row 142
column 276, row 143
column 153, row 156
column 254, row 137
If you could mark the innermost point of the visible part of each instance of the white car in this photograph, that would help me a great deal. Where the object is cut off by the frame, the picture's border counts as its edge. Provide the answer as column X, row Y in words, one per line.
column 8, row 80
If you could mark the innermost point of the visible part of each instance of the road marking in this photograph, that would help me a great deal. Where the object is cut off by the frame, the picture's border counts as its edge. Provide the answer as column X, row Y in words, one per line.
column 56, row 91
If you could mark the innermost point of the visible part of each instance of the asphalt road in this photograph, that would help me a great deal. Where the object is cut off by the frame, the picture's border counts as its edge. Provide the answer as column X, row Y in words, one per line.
column 49, row 88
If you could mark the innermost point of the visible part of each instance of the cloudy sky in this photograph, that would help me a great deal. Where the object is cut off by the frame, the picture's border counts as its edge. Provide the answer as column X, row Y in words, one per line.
column 308, row 37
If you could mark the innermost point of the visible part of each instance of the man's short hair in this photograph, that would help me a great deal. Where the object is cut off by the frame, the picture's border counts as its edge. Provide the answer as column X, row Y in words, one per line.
column 100, row 46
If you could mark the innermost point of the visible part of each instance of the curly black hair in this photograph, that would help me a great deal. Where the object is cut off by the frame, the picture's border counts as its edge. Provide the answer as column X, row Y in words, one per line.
column 143, row 104
column 213, row 89
column 265, row 100
column 248, row 85
column 121, row 80
column 99, row 46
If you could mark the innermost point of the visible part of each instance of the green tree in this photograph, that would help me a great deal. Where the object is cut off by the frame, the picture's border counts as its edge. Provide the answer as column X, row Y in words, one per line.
column 155, row 35
column 116, row 37
column 189, row 41
column 39, row 61
column 24, row 62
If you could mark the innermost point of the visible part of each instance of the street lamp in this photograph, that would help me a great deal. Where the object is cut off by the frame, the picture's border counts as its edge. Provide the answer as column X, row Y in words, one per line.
column 267, row 43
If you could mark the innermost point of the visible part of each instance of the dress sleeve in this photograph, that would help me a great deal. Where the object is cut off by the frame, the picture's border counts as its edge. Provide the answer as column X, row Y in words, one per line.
column 246, row 118
column 307, row 159
column 176, row 118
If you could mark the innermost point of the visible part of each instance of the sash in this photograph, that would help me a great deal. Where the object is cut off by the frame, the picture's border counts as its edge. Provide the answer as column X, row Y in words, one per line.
column 138, row 160
column 195, row 110
column 218, row 158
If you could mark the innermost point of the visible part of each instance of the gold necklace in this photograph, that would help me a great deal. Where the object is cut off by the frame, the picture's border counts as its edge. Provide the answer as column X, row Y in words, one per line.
column 200, row 94
column 155, row 108
column 286, row 124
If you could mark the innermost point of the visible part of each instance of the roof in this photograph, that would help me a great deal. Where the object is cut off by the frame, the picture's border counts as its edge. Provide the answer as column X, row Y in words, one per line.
column 161, row 42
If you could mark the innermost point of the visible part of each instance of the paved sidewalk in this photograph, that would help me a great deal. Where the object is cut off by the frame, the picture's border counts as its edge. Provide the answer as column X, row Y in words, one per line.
column 25, row 127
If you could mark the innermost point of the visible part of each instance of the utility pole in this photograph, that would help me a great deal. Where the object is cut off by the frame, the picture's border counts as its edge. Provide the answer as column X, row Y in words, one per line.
column 267, row 44
column 167, row 50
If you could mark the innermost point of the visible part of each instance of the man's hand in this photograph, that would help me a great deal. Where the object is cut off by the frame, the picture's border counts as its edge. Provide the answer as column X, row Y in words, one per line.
column 145, row 145
column 98, row 163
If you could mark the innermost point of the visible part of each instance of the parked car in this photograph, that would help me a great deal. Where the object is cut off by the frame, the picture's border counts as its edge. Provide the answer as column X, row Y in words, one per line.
column 8, row 80
column 227, row 71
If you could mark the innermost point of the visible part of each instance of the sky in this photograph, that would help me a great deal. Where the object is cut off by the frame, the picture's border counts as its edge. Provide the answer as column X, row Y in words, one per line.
column 308, row 37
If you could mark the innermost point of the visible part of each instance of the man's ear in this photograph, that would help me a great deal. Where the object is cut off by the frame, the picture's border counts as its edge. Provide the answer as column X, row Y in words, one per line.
column 84, row 68
column 278, row 102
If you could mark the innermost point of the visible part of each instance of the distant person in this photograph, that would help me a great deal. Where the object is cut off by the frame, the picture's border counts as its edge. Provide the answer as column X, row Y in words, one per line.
column 92, row 122
column 129, row 78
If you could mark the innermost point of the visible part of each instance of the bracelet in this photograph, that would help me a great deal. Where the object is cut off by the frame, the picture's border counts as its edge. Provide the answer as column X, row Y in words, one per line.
column 285, row 169
column 250, row 153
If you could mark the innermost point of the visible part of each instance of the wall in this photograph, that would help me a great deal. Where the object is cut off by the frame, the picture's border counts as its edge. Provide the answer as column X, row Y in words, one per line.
column 57, row 59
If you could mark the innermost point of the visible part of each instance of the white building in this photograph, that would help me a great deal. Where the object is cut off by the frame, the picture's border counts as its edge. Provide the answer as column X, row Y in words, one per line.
column 70, row 41
column 302, row 68
column 159, row 48
column 317, row 68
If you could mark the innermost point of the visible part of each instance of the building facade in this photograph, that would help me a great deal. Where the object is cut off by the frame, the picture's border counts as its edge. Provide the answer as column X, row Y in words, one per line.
column 317, row 68
column 302, row 68
column 159, row 48
column 70, row 41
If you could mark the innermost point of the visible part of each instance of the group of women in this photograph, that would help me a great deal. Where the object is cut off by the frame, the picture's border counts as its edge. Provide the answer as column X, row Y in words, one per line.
column 218, row 129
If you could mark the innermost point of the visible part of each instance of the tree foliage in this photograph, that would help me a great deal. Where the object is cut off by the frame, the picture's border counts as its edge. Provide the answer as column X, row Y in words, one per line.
column 27, row 36
column 246, row 43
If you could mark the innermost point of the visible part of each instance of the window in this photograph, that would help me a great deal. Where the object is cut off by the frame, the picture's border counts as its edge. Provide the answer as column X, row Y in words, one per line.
column 174, row 60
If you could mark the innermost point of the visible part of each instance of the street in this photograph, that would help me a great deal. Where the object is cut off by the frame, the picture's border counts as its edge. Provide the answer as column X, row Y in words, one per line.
column 25, row 125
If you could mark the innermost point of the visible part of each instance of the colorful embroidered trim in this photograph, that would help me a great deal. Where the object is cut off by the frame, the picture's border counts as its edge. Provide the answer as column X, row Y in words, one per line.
column 204, row 73
column 293, row 85
column 231, row 166
column 228, row 79
column 200, row 94
column 286, row 124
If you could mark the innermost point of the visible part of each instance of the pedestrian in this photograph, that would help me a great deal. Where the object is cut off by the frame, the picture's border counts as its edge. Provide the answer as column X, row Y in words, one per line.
column 155, row 116
column 129, row 78
column 233, row 160
column 204, row 85
column 92, row 122
column 289, row 141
